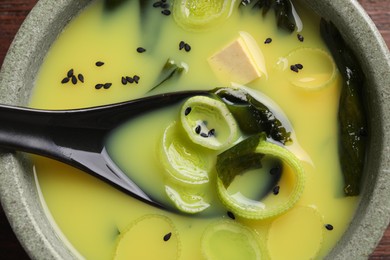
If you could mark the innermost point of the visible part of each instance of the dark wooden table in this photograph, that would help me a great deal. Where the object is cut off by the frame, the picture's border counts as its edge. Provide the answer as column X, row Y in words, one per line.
column 12, row 14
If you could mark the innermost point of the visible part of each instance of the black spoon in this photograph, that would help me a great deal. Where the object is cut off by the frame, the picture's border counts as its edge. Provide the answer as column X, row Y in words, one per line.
column 76, row 137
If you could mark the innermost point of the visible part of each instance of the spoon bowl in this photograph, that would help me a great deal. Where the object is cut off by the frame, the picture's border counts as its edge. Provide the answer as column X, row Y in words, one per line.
column 77, row 137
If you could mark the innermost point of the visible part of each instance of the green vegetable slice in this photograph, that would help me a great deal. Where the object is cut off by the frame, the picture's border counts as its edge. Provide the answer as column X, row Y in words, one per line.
column 208, row 122
column 185, row 200
column 284, row 12
column 317, row 71
column 155, row 232
column 352, row 113
column 185, row 162
column 253, row 116
column 229, row 240
column 248, row 155
column 201, row 14
column 168, row 71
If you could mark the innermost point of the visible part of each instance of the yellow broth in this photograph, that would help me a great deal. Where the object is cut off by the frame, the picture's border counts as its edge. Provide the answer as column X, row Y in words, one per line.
column 99, row 220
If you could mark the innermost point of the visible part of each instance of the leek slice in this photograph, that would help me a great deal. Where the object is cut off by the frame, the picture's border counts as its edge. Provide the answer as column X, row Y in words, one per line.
column 184, row 162
column 248, row 155
column 208, row 122
column 185, row 201
column 201, row 14
column 319, row 69
column 155, row 233
column 229, row 240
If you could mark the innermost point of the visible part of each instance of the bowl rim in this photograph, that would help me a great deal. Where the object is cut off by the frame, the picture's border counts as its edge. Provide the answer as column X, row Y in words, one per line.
column 47, row 19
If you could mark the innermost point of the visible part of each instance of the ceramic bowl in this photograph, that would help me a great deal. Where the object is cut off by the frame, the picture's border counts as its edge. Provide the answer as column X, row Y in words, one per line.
column 18, row 191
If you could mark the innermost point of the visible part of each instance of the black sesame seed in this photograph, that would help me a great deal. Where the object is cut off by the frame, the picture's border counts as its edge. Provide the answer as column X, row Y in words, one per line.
column 74, row 80
column 107, row 85
column 300, row 38
column 81, row 77
column 157, row 4
column 187, row 111
column 299, row 66
column 181, row 45
column 198, row 128
column 99, row 63
column 275, row 190
column 231, row 215
column 165, row 5
column 99, row 86
column 163, row 1
column 167, row 236
column 141, row 50
column 211, row 132
column 329, row 227
column 65, row 80
column 130, row 79
column 136, row 78
column 124, row 81
column 70, row 73
column 268, row 40
column 166, row 12
column 294, row 68
column 187, row 47
column 204, row 135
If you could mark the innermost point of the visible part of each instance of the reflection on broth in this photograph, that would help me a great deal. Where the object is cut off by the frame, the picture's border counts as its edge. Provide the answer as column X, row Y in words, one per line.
column 115, row 51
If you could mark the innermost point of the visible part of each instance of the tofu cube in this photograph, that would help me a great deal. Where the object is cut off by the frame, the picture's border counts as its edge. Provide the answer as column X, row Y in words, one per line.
column 237, row 62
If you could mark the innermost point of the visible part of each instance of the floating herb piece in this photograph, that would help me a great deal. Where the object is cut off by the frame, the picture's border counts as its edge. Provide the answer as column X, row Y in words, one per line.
column 169, row 70
column 352, row 116
column 252, row 116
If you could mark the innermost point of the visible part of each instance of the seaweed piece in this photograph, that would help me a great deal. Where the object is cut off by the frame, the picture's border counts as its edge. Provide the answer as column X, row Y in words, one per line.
column 249, row 154
column 111, row 5
column 169, row 70
column 252, row 116
column 284, row 16
column 238, row 159
column 352, row 116
column 283, row 11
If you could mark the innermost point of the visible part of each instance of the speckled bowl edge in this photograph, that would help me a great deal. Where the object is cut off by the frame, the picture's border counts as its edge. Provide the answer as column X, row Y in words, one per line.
column 19, row 197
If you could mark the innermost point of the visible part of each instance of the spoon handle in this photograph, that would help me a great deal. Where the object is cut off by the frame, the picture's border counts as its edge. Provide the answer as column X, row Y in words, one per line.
column 77, row 137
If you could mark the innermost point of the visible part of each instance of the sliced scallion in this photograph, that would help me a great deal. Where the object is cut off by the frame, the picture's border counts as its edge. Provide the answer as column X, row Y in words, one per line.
column 210, row 123
column 246, row 155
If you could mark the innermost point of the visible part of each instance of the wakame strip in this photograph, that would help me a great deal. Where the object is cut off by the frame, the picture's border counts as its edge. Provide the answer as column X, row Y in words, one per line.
column 238, row 159
column 111, row 5
column 252, row 116
column 283, row 11
column 352, row 117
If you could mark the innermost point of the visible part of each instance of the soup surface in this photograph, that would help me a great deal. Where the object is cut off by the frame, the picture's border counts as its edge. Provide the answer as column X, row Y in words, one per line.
column 101, row 47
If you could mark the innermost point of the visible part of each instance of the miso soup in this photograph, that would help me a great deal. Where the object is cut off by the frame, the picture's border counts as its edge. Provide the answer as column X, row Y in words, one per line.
column 115, row 51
